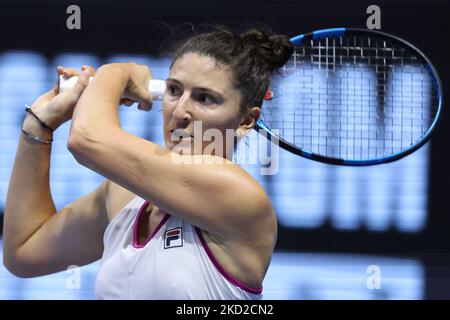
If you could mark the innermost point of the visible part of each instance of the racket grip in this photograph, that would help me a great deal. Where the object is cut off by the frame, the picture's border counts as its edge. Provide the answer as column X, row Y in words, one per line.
column 156, row 87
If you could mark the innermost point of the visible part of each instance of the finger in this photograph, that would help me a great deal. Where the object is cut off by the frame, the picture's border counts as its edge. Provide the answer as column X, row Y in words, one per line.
column 47, row 96
column 145, row 98
column 59, row 69
column 127, row 102
column 90, row 68
column 55, row 90
column 82, row 83
column 144, row 106
column 70, row 72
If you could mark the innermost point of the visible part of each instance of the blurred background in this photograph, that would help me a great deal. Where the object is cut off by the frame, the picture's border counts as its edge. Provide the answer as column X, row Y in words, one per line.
column 380, row 232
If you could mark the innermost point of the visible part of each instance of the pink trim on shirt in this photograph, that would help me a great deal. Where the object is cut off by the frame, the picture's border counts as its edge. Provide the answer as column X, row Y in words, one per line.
column 222, row 271
column 135, row 227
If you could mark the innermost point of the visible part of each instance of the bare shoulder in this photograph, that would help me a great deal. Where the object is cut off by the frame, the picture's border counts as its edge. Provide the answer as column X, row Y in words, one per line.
column 253, row 218
column 261, row 212
column 245, row 252
column 116, row 198
column 261, row 224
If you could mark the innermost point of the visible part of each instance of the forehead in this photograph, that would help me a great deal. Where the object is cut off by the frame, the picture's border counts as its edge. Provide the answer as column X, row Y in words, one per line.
column 194, row 70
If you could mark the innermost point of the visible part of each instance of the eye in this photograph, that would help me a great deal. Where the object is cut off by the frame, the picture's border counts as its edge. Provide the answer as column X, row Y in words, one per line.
column 205, row 99
column 173, row 90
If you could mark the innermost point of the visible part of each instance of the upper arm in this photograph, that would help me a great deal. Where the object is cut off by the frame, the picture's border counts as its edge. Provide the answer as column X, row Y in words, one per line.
column 219, row 197
column 73, row 236
column 227, row 202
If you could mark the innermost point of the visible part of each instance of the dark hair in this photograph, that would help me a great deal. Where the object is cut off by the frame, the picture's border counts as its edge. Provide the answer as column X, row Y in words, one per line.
column 252, row 56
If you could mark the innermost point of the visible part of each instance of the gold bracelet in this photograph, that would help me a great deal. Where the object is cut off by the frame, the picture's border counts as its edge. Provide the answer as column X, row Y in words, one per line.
column 36, row 138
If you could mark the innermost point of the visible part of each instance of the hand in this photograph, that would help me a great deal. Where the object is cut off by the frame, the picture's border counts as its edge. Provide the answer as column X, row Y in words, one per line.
column 54, row 108
column 137, row 78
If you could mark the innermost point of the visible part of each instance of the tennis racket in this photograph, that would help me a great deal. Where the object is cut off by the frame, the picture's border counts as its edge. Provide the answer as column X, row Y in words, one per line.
column 349, row 97
column 353, row 97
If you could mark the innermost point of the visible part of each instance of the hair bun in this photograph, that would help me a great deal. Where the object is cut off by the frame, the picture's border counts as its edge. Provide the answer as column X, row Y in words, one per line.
column 275, row 50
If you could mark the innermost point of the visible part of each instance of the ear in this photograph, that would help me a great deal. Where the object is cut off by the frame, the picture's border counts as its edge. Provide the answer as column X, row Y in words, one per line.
column 248, row 121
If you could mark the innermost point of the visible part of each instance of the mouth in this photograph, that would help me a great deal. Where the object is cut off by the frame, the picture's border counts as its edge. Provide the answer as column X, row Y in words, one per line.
column 178, row 135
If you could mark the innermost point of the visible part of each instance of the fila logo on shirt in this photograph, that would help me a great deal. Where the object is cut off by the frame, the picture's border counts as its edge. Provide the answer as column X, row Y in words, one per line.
column 173, row 238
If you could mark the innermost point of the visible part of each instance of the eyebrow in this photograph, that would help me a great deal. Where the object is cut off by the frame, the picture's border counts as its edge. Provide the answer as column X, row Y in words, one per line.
column 220, row 95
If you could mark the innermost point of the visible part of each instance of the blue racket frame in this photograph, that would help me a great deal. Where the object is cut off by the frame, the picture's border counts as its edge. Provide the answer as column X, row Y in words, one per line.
column 337, row 32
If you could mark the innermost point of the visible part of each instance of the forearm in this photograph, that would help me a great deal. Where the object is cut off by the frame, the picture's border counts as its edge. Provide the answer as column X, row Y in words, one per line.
column 96, row 111
column 29, row 201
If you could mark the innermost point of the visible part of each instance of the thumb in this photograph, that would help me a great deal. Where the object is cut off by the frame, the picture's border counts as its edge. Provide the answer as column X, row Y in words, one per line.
column 47, row 96
column 144, row 98
column 82, row 83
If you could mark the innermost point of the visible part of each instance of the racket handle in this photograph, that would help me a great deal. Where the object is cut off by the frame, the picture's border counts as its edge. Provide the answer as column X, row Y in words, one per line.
column 156, row 87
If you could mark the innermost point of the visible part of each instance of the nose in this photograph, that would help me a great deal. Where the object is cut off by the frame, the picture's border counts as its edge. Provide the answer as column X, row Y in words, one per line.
column 182, row 110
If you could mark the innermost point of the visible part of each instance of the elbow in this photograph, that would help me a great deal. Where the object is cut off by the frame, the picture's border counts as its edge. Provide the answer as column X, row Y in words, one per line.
column 76, row 140
column 74, row 144
column 16, row 267
column 78, row 146
column 86, row 145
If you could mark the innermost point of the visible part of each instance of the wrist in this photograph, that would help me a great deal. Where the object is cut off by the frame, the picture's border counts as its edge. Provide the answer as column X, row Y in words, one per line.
column 50, row 117
column 118, row 71
column 32, row 125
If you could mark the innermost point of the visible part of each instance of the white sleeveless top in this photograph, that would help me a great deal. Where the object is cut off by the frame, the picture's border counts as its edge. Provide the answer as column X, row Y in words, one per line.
column 173, row 263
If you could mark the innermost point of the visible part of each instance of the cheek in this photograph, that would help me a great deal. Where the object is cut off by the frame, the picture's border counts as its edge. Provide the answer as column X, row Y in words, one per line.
column 167, row 109
column 222, row 122
column 229, row 118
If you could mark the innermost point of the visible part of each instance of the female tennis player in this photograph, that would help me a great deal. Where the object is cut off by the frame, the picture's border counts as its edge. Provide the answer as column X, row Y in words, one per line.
column 163, row 229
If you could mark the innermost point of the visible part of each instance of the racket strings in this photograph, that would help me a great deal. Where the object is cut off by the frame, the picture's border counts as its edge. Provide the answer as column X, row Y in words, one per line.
column 353, row 98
